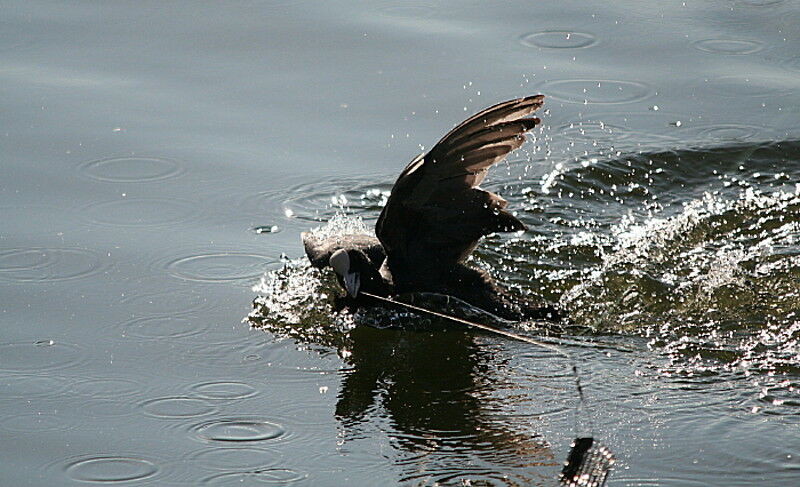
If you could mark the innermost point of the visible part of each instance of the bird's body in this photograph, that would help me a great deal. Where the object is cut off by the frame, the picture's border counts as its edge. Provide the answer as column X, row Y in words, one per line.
column 436, row 215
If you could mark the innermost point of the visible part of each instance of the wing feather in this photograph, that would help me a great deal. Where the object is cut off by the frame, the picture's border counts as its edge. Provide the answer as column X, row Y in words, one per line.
column 512, row 133
column 502, row 112
column 436, row 210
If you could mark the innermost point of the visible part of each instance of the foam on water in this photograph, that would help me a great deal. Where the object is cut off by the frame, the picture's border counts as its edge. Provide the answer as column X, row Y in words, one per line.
column 342, row 224
column 298, row 300
column 716, row 284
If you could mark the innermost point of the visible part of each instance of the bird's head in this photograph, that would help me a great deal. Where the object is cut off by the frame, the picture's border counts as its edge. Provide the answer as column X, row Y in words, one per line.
column 342, row 265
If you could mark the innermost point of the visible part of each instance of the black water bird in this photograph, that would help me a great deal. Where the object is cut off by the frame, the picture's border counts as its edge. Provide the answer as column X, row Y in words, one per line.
column 434, row 218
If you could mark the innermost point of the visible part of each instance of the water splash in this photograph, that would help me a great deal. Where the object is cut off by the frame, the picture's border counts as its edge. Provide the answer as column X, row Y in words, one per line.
column 302, row 302
column 296, row 301
column 342, row 224
column 697, row 251
column 719, row 281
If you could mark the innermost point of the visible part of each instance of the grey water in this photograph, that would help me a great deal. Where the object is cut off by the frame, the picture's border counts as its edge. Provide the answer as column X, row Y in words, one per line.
column 158, row 161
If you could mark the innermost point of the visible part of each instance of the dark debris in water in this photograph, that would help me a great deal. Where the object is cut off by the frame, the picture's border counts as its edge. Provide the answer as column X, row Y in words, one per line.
column 588, row 464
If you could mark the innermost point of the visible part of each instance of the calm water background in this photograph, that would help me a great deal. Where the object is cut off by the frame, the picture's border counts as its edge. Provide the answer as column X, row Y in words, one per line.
column 158, row 158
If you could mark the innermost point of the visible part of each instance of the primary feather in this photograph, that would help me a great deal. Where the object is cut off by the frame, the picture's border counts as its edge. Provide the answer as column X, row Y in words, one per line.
column 436, row 213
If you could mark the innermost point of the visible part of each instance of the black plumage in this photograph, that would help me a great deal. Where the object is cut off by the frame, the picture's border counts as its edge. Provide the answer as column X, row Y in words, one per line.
column 436, row 215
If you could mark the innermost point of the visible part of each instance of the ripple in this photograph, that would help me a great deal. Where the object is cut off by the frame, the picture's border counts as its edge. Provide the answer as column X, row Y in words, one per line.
column 630, row 129
column 746, row 455
column 597, row 91
column 38, row 423
column 223, row 390
column 284, row 374
column 22, row 259
column 140, row 212
column 161, row 327
column 280, row 476
column 219, row 267
column 48, row 264
column 15, row 37
column 105, row 408
column 110, row 469
column 594, row 131
column 43, row 355
column 176, row 407
column 238, row 430
column 408, row 11
column 107, row 388
column 759, row 3
column 254, row 204
column 737, row 86
column 793, row 63
column 728, row 131
column 172, row 303
column 132, row 169
column 235, row 458
column 319, row 201
column 660, row 481
column 38, row 220
column 558, row 39
column 728, row 46
column 30, row 386
column 306, row 414
column 214, row 357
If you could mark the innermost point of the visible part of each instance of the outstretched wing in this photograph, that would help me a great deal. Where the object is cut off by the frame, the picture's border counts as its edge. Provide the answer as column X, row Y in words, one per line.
column 436, row 213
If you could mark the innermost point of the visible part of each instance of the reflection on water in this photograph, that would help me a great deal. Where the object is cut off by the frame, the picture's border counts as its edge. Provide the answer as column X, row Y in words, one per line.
column 433, row 389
